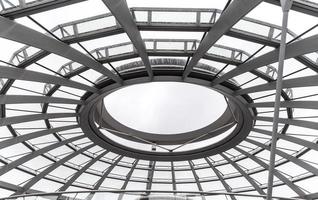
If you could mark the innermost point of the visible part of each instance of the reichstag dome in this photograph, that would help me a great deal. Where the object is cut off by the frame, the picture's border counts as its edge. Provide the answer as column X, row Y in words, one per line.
column 158, row 99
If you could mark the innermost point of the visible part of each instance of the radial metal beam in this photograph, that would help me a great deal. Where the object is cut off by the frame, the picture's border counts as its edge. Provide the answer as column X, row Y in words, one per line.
column 291, row 158
column 25, row 9
column 123, row 187
column 107, row 172
column 28, row 118
column 196, row 177
column 20, row 99
column 289, row 138
column 246, row 176
column 150, row 174
column 287, row 104
column 81, row 171
column 220, row 177
column 234, row 12
column 132, row 168
column 102, row 179
column 13, row 31
column 36, row 153
column 290, row 83
column 14, row 187
column 301, row 123
column 280, row 176
column 52, row 167
column 297, row 48
column 121, row 12
column 151, row 171
column 173, row 177
column 23, row 138
column 9, row 186
column 310, row 196
column 27, row 75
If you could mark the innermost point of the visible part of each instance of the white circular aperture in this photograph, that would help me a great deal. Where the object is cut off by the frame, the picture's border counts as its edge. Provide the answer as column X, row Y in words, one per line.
column 165, row 107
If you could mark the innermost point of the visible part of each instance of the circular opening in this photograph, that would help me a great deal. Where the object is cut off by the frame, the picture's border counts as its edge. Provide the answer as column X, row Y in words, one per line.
column 165, row 107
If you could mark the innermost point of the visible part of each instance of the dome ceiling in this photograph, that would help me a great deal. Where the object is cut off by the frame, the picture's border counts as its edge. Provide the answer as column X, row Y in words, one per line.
column 61, row 61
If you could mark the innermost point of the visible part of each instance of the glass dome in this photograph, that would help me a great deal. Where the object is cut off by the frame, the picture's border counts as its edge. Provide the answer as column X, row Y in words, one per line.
column 72, row 73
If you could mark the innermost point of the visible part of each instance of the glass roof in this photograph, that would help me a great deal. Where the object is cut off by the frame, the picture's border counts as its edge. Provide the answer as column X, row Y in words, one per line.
column 60, row 59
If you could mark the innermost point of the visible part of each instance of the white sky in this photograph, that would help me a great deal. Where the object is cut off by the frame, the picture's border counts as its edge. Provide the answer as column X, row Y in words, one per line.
column 165, row 107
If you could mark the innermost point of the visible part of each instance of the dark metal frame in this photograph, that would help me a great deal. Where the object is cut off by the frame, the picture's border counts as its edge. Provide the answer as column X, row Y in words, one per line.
column 124, row 17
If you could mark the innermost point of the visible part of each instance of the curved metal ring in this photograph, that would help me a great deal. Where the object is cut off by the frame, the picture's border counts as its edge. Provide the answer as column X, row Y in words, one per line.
column 89, row 127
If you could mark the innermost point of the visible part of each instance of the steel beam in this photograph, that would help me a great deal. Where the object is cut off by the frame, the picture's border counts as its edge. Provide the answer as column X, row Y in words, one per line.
column 196, row 177
column 14, row 187
column 287, row 104
column 36, row 7
column 52, row 167
column 173, row 177
column 36, row 153
column 289, row 138
column 132, row 168
column 151, row 171
column 102, row 179
column 280, row 176
column 310, row 196
column 106, row 173
column 28, row 118
column 9, row 186
column 20, row 99
column 123, row 187
column 81, row 171
column 150, row 174
column 291, row 158
column 220, row 177
column 286, row 4
column 121, row 12
column 235, row 11
column 23, row 138
column 27, row 75
column 297, row 48
column 290, row 83
column 246, row 176
column 301, row 123
column 13, row 31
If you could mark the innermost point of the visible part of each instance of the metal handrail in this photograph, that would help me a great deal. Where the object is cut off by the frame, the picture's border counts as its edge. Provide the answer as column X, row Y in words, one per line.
column 70, row 29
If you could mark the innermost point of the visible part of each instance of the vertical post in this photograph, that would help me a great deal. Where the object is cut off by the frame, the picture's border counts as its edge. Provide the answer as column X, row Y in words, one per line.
column 22, row 3
column 150, row 174
column 286, row 5
column 173, row 178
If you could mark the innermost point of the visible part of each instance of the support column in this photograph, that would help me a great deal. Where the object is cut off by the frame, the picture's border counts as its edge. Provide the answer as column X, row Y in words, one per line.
column 286, row 5
column 150, row 174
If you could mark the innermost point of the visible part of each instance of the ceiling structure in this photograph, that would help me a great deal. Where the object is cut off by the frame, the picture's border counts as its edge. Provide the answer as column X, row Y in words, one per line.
column 55, row 74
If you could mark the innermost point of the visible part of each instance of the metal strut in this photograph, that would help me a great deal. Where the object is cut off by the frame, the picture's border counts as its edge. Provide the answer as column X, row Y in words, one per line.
column 286, row 5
